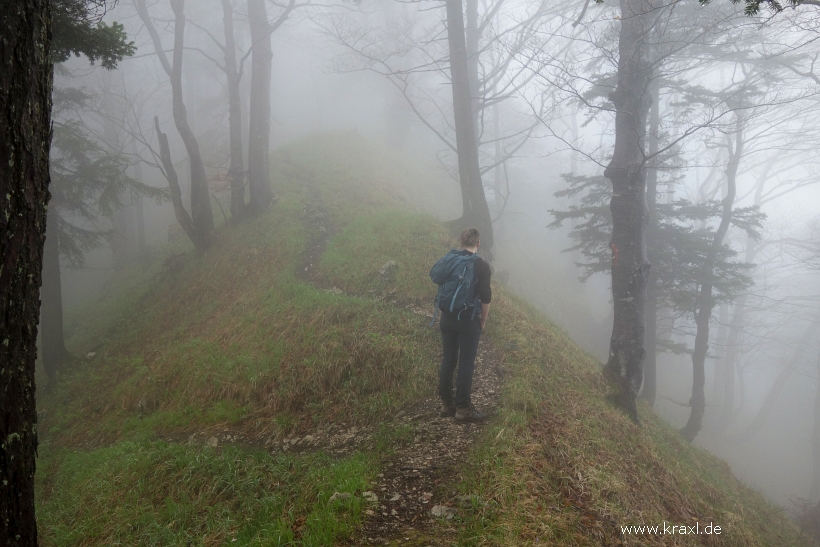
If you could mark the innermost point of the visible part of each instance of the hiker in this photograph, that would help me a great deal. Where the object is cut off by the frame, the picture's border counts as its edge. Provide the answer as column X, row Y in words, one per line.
column 461, row 324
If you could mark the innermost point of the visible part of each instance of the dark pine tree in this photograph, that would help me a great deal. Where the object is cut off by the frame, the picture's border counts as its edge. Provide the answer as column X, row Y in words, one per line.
column 25, row 126
column 80, row 168
column 87, row 182
column 683, row 236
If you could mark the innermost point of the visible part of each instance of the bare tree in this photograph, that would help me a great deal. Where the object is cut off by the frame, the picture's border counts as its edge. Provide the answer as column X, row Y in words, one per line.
column 201, row 213
column 233, row 71
column 196, row 236
column 259, row 183
column 476, row 212
column 705, row 302
column 236, row 169
column 411, row 54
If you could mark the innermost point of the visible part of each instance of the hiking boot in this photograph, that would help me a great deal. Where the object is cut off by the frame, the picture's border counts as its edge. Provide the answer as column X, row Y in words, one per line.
column 447, row 410
column 468, row 414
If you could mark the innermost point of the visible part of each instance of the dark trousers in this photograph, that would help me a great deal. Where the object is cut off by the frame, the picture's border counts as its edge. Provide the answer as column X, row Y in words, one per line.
column 460, row 341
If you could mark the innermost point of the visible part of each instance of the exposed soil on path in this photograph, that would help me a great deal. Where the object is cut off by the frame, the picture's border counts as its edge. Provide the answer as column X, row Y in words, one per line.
column 320, row 232
column 416, row 482
column 415, row 485
column 413, row 501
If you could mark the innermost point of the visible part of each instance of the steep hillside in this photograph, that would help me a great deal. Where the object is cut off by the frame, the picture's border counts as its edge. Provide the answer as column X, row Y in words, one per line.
column 279, row 390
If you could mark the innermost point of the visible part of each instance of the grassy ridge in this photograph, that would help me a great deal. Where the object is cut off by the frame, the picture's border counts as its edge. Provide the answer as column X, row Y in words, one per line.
column 561, row 466
column 234, row 338
column 263, row 345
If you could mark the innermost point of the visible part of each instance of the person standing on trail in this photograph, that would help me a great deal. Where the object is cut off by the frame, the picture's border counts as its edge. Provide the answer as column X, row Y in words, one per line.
column 464, row 300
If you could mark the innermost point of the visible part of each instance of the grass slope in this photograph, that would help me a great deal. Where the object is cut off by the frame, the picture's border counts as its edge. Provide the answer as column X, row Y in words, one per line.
column 234, row 338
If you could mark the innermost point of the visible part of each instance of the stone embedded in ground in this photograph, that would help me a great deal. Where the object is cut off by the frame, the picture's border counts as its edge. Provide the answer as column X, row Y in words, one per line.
column 340, row 496
column 388, row 269
column 443, row 512
column 466, row 500
column 370, row 497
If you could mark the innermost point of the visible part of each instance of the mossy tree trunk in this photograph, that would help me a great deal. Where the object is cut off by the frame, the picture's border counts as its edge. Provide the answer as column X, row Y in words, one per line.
column 25, row 126
column 627, row 173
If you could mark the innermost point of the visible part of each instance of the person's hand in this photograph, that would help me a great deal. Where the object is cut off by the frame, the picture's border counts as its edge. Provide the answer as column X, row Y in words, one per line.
column 483, row 322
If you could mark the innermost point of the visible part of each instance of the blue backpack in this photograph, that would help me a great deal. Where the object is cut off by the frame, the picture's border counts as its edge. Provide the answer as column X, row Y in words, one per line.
column 455, row 275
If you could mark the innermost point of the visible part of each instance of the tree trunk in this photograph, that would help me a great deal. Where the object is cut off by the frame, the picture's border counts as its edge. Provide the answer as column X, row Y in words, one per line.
column 472, row 39
column 650, row 365
column 25, row 126
column 476, row 212
column 719, row 355
column 705, row 302
column 51, row 306
column 236, row 169
column 138, row 204
column 627, row 173
column 201, row 213
column 120, row 249
column 730, row 362
column 181, row 214
column 259, row 184
column 814, row 493
column 733, row 340
column 395, row 114
column 501, row 183
column 780, row 382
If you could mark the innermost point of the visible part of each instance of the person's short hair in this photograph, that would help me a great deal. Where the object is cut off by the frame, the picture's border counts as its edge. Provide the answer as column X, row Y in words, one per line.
column 469, row 238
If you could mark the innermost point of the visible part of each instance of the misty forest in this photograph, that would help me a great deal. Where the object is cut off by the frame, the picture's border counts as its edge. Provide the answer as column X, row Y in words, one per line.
column 220, row 318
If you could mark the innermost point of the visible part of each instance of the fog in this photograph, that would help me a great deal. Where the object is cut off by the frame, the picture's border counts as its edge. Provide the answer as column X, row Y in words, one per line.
column 378, row 69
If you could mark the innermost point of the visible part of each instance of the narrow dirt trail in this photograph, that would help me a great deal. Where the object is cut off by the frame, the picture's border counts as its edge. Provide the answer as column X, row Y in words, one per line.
column 416, row 485
column 414, row 499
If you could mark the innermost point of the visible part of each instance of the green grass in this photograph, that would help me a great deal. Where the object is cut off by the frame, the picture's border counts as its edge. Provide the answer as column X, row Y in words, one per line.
column 157, row 493
column 366, row 243
column 235, row 339
column 235, row 335
column 561, row 466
